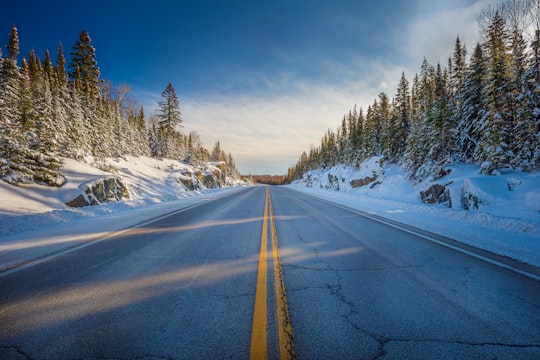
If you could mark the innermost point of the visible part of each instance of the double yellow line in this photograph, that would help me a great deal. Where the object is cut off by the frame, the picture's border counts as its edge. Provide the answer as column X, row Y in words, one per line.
column 259, row 333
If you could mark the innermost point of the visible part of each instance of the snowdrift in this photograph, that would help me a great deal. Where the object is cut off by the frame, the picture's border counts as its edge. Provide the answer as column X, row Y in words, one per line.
column 144, row 181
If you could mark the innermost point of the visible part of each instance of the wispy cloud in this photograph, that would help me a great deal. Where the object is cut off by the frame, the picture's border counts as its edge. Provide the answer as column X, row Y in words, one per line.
column 267, row 118
column 432, row 33
column 284, row 116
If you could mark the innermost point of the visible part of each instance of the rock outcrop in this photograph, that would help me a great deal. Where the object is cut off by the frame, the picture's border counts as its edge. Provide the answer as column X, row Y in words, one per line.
column 209, row 177
column 362, row 182
column 333, row 182
column 101, row 191
column 436, row 194
column 470, row 201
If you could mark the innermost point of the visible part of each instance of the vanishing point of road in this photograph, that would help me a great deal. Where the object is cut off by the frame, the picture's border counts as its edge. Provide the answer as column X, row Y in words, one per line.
column 269, row 273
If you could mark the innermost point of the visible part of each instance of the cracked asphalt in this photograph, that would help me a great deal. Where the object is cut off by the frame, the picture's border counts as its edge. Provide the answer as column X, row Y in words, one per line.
column 183, row 287
column 358, row 289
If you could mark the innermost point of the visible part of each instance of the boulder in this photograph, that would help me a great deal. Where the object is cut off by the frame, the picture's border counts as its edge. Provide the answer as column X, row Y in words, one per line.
column 190, row 180
column 333, row 182
column 101, row 191
column 79, row 201
column 306, row 180
column 210, row 181
column 436, row 194
column 470, row 201
column 363, row 182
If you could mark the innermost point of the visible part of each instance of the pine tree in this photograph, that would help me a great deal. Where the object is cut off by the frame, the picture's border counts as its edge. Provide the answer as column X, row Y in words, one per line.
column 215, row 155
column 422, row 104
column 401, row 120
column 169, row 110
column 169, row 119
column 60, row 67
column 344, row 151
column 10, row 79
column 71, row 128
column 459, row 67
column 154, row 138
column 371, row 132
column 141, row 131
column 440, row 121
column 472, row 112
column 495, row 151
column 48, row 132
column 84, row 68
column 12, row 145
column 527, row 96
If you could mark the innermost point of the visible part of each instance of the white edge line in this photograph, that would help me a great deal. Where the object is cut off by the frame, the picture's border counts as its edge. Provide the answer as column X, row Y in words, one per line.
column 425, row 237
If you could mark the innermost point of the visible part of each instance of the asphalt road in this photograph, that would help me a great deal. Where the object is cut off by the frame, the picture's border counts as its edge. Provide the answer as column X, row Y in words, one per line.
column 184, row 287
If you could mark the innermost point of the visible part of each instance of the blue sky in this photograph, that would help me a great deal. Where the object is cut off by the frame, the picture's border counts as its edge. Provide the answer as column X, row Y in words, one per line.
column 266, row 78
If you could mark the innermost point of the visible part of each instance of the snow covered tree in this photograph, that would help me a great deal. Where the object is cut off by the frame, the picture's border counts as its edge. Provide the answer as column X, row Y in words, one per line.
column 496, row 146
column 10, row 128
column 458, row 69
column 440, row 121
column 169, row 119
column 471, row 112
column 352, row 123
column 519, row 100
column 169, row 110
column 400, row 121
column 422, row 102
column 217, row 153
column 154, row 138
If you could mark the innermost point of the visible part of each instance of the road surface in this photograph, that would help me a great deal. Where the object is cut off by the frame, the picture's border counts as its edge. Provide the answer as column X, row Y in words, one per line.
column 267, row 272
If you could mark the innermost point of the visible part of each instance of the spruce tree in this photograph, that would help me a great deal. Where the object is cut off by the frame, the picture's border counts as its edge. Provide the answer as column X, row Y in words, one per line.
column 60, row 67
column 472, row 111
column 216, row 152
column 169, row 119
column 169, row 110
column 83, row 65
column 12, row 144
column 495, row 150
column 401, row 120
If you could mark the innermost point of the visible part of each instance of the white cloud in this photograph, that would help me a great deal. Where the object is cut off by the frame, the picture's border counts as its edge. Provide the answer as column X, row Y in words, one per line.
column 433, row 32
column 268, row 129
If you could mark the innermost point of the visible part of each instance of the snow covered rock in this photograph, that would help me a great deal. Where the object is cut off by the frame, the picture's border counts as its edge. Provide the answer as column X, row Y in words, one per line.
column 436, row 194
column 333, row 182
column 307, row 180
column 472, row 195
column 101, row 191
column 362, row 182
column 470, row 201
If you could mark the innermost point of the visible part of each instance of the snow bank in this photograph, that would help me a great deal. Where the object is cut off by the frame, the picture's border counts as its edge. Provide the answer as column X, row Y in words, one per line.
column 149, row 181
column 506, row 221
column 36, row 222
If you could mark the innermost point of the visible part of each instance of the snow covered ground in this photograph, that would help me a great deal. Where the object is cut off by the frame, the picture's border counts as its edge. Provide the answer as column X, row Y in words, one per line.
column 507, row 221
column 34, row 221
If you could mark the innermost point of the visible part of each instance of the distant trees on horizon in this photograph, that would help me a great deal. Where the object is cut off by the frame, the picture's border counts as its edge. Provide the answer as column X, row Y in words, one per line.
column 48, row 112
column 485, row 111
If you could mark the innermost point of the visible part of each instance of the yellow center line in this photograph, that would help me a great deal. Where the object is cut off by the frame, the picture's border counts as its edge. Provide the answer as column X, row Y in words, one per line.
column 259, row 327
column 286, row 345
column 259, row 335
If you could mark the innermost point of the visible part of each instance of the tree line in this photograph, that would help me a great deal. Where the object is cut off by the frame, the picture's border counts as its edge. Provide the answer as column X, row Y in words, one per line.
column 483, row 111
column 48, row 112
column 269, row 179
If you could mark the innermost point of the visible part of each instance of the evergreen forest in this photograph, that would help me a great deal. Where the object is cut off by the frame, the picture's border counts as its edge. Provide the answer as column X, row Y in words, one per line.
column 482, row 109
column 48, row 112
